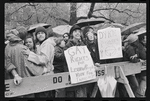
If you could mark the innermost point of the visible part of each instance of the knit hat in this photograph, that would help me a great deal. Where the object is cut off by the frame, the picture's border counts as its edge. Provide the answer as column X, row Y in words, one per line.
column 74, row 28
column 131, row 38
column 40, row 29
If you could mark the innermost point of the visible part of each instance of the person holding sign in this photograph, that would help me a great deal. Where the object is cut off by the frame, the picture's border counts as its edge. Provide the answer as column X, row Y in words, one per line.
column 92, row 46
column 75, row 40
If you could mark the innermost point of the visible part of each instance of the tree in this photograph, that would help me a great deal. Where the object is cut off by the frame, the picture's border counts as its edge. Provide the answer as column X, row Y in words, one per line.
column 67, row 13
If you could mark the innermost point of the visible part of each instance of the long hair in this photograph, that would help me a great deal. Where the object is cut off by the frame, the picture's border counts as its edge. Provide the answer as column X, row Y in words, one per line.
column 30, row 36
column 85, row 30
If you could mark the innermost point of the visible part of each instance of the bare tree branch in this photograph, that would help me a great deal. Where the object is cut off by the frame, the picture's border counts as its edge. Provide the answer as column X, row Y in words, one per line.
column 29, row 4
column 26, row 19
column 91, row 10
column 61, row 19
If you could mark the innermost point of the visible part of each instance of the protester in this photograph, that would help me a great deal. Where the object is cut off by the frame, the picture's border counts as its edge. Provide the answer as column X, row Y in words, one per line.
column 135, row 53
column 142, row 39
column 44, row 55
column 16, row 64
column 30, row 43
column 75, row 40
column 92, row 45
column 58, row 63
column 66, row 37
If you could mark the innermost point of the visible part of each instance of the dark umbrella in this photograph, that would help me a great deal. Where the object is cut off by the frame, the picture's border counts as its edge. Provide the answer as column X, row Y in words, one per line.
column 33, row 27
column 140, row 31
column 129, row 29
column 88, row 22
column 116, row 25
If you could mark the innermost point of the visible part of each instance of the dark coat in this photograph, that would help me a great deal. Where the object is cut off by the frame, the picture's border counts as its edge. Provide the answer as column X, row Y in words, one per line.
column 93, row 48
column 59, row 60
column 135, row 48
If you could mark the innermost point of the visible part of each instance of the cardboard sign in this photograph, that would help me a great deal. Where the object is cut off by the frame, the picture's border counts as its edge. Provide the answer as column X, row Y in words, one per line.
column 109, row 43
column 80, row 64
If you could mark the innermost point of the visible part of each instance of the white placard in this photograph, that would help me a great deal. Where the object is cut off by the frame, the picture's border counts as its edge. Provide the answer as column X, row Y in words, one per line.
column 80, row 64
column 109, row 43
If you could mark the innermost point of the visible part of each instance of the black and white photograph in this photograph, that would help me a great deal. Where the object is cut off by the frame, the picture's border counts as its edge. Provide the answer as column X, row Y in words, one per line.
column 75, row 50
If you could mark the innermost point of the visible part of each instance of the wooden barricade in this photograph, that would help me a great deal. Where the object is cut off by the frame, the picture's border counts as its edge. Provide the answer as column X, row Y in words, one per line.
column 62, row 80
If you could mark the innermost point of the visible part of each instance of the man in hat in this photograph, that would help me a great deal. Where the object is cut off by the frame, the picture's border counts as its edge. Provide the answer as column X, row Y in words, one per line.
column 135, row 52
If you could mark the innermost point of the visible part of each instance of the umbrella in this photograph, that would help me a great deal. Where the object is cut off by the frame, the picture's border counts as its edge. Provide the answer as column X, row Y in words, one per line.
column 129, row 29
column 62, row 29
column 116, row 25
column 33, row 27
column 140, row 32
column 88, row 22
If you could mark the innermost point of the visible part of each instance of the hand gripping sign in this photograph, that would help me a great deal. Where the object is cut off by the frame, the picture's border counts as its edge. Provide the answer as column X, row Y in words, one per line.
column 80, row 64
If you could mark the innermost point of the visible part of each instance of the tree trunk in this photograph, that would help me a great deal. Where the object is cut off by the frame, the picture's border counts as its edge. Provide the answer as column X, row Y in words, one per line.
column 73, row 13
column 91, row 10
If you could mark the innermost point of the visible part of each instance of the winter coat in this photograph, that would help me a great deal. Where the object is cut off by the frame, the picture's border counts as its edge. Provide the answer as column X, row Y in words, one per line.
column 15, row 59
column 93, row 48
column 59, row 60
column 45, row 54
column 133, row 49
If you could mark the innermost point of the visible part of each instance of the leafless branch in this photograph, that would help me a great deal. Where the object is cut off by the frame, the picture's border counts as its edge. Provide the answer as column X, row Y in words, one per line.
column 29, row 4
column 124, row 11
column 26, row 19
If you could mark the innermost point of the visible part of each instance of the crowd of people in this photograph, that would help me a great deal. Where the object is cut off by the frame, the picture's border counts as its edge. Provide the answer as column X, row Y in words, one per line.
column 26, row 56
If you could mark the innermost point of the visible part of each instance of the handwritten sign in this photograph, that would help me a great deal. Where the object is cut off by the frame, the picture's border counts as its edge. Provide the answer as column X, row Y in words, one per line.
column 80, row 64
column 109, row 43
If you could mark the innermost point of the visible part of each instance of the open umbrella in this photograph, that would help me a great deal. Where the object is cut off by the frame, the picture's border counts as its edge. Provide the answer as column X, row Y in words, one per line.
column 88, row 22
column 116, row 25
column 140, row 32
column 133, row 27
column 62, row 29
column 33, row 27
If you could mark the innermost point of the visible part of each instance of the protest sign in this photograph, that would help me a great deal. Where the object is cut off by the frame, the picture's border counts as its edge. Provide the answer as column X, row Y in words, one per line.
column 80, row 64
column 109, row 43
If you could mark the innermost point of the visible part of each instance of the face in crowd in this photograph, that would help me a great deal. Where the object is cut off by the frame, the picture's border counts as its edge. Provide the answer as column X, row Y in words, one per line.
column 90, row 34
column 77, row 34
column 29, row 43
column 66, row 37
column 144, row 40
column 41, row 36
